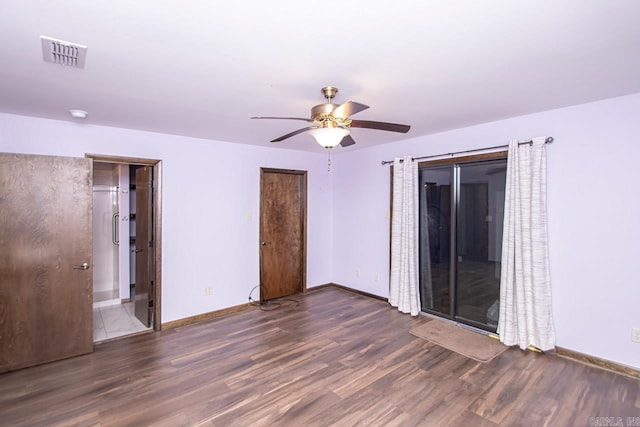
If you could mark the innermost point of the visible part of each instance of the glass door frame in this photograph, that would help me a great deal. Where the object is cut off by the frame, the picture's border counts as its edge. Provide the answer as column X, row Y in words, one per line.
column 455, row 164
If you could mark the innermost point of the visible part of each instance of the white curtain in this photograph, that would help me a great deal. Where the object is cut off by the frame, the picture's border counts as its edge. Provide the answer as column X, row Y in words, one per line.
column 403, row 292
column 525, row 287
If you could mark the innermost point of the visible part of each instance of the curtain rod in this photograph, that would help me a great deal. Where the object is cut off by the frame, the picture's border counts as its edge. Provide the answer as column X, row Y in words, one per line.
column 546, row 141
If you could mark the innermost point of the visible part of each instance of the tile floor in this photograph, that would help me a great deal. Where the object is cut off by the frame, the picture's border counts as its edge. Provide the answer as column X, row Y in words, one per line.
column 115, row 321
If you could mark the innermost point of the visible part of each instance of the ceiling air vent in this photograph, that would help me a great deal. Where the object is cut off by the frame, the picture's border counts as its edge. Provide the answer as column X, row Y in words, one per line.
column 64, row 53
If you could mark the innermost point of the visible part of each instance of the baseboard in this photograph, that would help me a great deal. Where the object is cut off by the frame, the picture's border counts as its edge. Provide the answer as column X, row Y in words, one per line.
column 204, row 316
column 598, row 362
column 346, row 288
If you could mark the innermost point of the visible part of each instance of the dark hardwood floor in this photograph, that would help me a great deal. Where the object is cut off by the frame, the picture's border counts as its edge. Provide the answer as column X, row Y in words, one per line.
column 337, row 358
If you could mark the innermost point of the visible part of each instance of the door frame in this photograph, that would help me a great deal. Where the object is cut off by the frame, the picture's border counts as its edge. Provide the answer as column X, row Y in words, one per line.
column 157, row 222
column 303, row 212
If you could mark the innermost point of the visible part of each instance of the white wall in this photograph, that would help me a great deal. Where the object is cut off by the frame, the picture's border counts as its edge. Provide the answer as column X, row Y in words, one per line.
column 594, row 214
column 209, row 189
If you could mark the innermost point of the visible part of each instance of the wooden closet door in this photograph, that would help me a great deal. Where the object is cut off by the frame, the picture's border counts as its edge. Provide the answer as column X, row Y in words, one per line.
column 282, row 233
column 45, row 259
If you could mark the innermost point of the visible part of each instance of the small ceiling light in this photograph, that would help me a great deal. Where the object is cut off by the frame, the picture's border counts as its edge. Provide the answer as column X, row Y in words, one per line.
column 78, row 114
column 328, row 137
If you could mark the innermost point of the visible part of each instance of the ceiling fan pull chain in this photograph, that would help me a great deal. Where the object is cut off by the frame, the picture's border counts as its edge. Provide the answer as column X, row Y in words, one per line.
column 329, row 161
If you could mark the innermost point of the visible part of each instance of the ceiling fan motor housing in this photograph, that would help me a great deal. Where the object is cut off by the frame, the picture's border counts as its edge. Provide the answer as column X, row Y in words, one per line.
column 322, row 110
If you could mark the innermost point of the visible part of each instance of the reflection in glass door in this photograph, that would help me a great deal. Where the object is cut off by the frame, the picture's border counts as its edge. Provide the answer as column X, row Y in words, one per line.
column 435, row 231
column 461, row 213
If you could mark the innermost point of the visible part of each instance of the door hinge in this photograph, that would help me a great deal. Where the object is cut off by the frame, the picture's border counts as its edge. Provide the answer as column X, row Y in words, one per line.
column 150, row 303
column 150, row 243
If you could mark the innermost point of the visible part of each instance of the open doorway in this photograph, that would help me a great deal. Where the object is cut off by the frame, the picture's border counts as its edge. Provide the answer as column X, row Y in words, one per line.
column 126, row 246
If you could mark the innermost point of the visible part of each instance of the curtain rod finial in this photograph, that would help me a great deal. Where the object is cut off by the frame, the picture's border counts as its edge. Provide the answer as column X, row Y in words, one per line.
column 549, row 139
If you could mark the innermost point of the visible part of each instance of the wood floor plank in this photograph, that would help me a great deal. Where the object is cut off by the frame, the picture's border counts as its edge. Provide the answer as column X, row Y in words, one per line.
column 329, row 357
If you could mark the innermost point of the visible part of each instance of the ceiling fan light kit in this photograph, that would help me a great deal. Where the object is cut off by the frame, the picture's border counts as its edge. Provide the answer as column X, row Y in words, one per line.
column 328, row 137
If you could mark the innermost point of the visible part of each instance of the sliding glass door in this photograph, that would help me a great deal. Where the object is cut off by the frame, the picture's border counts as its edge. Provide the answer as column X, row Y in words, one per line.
column 461, row 212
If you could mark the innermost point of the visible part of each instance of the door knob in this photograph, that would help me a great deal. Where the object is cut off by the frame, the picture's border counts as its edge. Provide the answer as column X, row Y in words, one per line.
column 135, row 251
column 264, row 243
column 84, row 266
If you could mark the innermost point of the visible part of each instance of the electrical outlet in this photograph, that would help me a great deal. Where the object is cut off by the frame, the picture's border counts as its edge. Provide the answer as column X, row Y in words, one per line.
column 357, row 272
column 207, row 291
column 377, row 277
column 635, row 335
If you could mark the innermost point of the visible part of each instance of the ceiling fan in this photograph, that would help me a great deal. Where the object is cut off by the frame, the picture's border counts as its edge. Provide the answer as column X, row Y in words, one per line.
column 331, row 122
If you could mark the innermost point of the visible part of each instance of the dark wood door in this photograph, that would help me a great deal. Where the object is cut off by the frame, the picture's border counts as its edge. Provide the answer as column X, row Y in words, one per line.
column 45, row 258
column 143, row 291
column 282, row 232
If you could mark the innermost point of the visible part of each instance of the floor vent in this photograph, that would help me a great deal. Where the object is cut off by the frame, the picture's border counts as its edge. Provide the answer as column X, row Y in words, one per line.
column 63, row 53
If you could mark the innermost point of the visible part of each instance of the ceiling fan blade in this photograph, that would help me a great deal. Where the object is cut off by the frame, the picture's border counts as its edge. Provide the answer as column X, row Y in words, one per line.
column 284, row 118
column 347, row 109
column 294, row 133
column 392, row 127
column 347, row 141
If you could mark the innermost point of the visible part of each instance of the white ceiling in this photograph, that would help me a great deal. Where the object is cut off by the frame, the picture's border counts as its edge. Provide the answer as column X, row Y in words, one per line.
column 202, row 68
